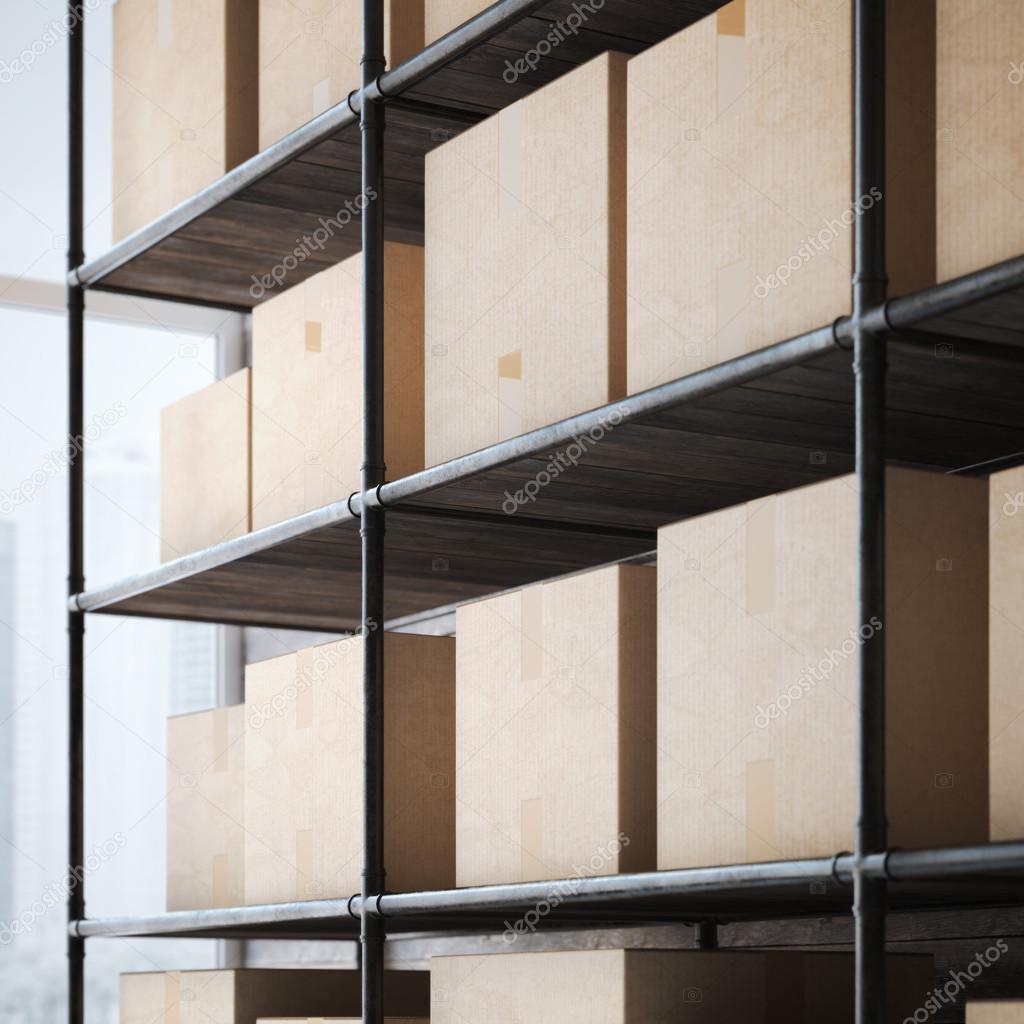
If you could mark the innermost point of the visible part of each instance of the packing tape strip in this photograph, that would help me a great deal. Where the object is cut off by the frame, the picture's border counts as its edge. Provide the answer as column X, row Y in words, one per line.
column 761, row 811
column 761, row 556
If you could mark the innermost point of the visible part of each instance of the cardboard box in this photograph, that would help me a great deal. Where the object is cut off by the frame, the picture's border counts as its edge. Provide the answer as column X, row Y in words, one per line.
column 1006, row 653
column 996, row 1011
column 555, row 730
column 309, row 53
column 758, row 641
column 441, row 16
column 980, row 149
column 642, row 986
column 303, row 793
column 307, row 385
column 525, row 264
column 184, row 101
column 204, row 467
column 244, row 996
column 741, row 187
column 205, row 809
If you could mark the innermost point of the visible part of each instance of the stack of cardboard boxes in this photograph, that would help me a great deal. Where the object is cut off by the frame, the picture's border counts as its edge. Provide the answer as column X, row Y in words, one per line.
column 630, row 223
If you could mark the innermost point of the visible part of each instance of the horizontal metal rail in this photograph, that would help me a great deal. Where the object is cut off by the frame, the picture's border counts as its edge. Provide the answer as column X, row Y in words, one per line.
column 896, row 866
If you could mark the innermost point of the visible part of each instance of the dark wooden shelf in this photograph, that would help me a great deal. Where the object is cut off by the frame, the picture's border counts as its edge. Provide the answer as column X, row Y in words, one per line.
column 210, row 248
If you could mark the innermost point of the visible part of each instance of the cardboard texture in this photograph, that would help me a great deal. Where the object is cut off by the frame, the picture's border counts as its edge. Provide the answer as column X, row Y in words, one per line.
column 204, row 467
column 980, row 156
column 303, row 792
column 1006, row 653
column 555, row 730
column 205, row 809
column 244, row 996
column 998, row 1011
column 184, row 101
column 757, row 653
column 307, row 385
column 525, row 264
column 741, row 174
column 642, row 986
column 309, row 53
column 441, row 16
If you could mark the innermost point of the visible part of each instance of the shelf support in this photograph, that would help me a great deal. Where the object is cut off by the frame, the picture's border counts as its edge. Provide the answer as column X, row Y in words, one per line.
column 371, row 123
column 76, row 519
column 869, row 291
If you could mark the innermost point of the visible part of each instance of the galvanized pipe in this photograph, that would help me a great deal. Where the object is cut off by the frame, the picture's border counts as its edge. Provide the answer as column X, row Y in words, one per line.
column 869, row 292
column 371, row 123
column 76, row 519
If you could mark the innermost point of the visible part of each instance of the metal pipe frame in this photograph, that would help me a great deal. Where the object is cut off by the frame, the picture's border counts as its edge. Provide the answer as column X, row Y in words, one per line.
column 372, row 525
column 76, row 489
column 869, row 292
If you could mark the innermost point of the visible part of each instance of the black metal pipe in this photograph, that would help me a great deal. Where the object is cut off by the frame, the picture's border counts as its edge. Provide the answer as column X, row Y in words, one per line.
column 371, row 123
column 76, row 519
column 869, row 292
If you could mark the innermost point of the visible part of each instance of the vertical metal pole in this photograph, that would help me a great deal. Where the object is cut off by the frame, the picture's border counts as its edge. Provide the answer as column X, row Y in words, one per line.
column 869, row 290
column 372, row 523
column 76, row 536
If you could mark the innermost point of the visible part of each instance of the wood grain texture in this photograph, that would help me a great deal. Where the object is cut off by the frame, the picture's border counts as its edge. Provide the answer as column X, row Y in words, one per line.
column 741, row 190
column 174, row 133
column 205, row 809
column 309, row 54
column 757, row 682
column 555, row 730
column 204, row 467
column 307, row 421
column 525, row 282
column 979, row 153
column 303, row 794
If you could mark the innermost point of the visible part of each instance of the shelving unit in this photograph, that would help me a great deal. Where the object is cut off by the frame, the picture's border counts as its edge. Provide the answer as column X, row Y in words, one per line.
column 931, row 380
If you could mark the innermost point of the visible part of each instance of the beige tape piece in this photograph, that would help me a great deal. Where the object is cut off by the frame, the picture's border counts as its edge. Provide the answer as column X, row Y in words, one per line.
column 510, row 395
column 304, row 878
column 531, row 660
column 733, row 289
column 222, row 880
column 531, row 833
column 314, row 336
column 304, row 706
column 731, row 19
column 762, row 814
column 321, row 96
column 165, row 24
column 732, row 57
column 221, row 741
column 172, row 998
column 761, row 556
column 510, row 158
